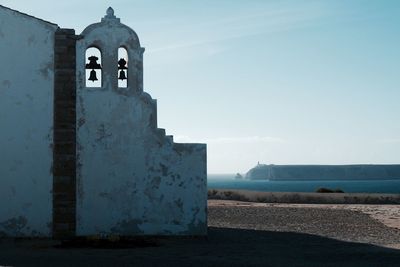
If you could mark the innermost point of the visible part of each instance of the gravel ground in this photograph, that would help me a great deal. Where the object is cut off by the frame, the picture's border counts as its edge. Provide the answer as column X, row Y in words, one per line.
column 239, row 235
column 340, row 224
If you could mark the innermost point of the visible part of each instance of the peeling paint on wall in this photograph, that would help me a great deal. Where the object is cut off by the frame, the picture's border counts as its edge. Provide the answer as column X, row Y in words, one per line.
column 46, row 69
column 126, row 227
column 14, row 225
column 31, row 39
column 6, row 84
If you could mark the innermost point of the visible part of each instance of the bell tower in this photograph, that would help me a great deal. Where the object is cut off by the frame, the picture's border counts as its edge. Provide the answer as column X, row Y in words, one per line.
column 131, row 178
column 107, row 67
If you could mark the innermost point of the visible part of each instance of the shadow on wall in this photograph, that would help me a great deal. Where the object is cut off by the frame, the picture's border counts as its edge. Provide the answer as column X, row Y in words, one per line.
column 223, row 247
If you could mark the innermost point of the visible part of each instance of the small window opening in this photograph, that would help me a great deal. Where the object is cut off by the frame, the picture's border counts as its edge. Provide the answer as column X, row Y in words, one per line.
column 93, row 67
column 122, row 67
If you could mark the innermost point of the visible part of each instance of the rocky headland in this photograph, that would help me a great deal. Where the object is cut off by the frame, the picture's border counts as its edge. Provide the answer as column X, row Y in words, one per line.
column 324, row 172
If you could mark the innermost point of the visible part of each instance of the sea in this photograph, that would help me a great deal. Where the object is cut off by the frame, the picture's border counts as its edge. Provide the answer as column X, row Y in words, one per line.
column 228, row 181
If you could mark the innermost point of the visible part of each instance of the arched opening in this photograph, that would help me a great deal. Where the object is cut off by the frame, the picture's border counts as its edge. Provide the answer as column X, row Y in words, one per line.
column 93, row 67
column 122, row 67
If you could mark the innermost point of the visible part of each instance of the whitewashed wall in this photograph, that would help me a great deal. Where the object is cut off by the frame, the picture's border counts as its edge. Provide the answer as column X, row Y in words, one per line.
column 26, row 120
column 132, row 179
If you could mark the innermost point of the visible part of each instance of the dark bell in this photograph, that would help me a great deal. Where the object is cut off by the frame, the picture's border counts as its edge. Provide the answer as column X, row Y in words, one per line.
column 92, row 76
column 93, row 63
column 122, row 75
column 122, row 64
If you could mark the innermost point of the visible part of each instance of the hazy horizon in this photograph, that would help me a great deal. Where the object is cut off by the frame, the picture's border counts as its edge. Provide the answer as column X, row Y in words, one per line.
column 279, row 82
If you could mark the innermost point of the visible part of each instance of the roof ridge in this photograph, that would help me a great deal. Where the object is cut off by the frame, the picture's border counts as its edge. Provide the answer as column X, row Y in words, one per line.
column 25, row 14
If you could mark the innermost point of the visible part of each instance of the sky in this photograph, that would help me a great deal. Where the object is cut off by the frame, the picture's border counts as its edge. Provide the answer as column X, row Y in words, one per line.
column 275, row 82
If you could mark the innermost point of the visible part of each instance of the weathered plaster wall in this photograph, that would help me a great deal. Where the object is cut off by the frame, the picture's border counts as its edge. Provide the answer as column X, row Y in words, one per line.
column 131, row 178
column 26, row 119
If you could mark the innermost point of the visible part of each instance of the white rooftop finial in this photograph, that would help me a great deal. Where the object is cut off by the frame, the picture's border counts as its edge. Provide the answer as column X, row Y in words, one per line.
column 110, row 12
column 110, row 16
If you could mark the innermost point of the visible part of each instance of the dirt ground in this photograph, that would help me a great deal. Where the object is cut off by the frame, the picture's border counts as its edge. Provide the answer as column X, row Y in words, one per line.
column 240, row 234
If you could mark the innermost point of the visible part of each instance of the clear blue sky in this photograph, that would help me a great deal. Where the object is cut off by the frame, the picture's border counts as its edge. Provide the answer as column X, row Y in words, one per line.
column 282, row 82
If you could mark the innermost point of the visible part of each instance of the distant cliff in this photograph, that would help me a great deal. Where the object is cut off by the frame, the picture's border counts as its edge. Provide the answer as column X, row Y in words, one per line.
column 323, row 172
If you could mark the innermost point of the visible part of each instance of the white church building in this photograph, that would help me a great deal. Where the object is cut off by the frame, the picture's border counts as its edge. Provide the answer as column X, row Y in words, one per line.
column 81, row 153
